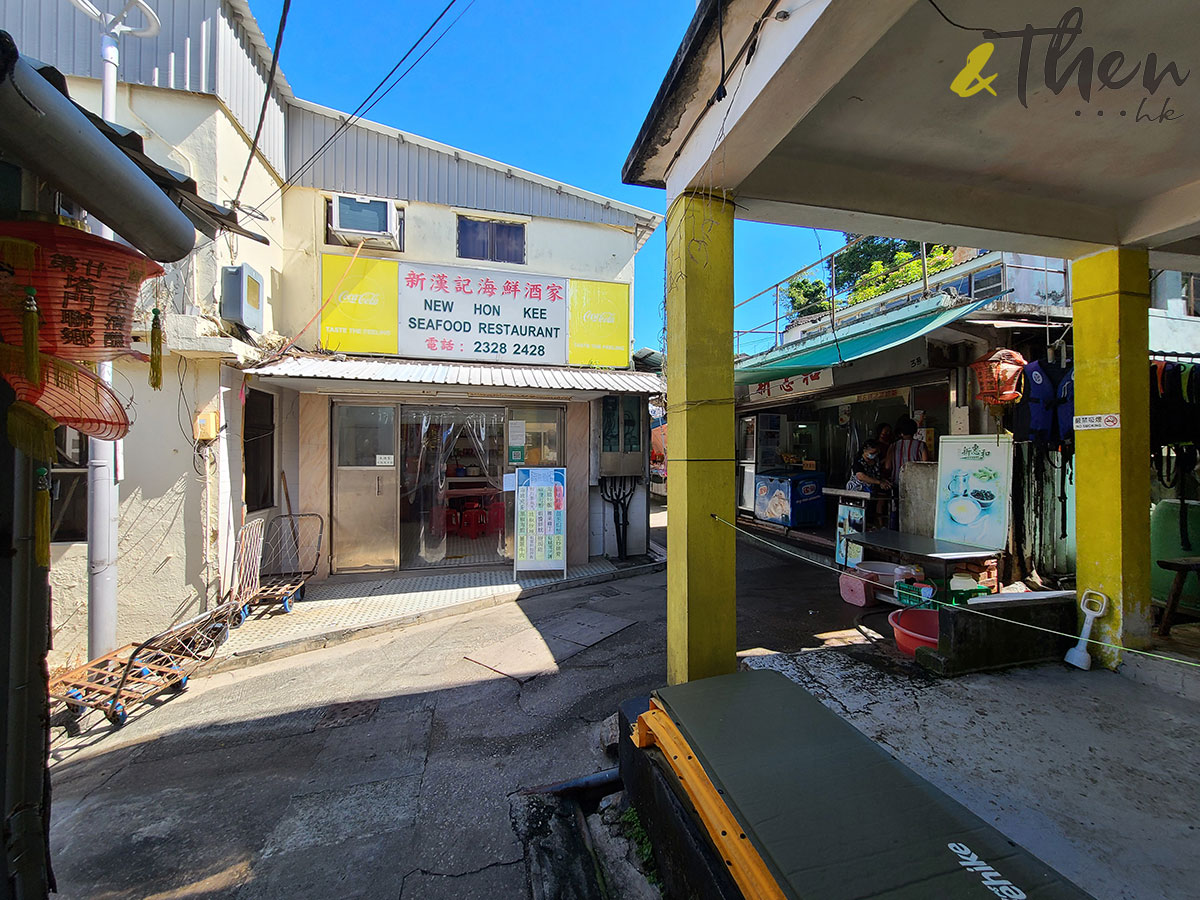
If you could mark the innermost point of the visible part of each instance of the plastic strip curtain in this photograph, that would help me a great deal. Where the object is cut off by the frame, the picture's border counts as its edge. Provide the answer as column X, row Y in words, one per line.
column 429, row 439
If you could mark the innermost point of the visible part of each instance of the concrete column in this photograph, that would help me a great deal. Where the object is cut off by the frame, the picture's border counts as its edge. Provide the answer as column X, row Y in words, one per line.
column 315, row 463
column 578, row 462
column 1111, row 298
column 701, row 599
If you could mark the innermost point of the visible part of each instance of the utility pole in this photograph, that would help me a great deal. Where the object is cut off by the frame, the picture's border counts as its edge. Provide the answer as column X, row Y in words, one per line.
column 104, row 456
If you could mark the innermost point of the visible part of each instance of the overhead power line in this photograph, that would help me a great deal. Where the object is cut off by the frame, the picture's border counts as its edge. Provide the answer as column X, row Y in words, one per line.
column 262, row 113
column 371, row 99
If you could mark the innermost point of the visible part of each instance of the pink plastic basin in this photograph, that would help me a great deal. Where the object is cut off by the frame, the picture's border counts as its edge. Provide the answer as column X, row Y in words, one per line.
column 914, row 628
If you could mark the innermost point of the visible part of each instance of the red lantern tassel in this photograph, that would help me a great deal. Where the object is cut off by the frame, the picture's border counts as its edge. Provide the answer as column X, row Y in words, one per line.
column 41, row 519
column 29, row 335
column 156, row 350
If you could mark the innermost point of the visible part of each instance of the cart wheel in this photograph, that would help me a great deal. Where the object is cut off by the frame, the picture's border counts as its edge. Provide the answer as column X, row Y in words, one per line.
column 181, row 685
column 117, row 715
column 223, row 635
column 299, row 595
column 287, row 602
column 239, row 617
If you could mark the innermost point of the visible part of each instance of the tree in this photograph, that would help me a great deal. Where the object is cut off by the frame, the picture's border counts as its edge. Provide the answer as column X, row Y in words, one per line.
column 856, row 262
column 903, row 268
column 807, row 296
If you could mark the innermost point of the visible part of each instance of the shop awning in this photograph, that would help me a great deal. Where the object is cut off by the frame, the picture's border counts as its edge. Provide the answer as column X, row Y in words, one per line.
column 305, row 372
column 853, row 341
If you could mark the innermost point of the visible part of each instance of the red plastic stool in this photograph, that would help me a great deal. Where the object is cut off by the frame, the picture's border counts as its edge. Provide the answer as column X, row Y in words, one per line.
column 445, row 520
column 474, row 523
column 495, row 514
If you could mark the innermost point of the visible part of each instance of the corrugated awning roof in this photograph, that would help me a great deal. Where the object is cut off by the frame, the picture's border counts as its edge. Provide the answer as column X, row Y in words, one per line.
column 419, row 372
column 860, row 339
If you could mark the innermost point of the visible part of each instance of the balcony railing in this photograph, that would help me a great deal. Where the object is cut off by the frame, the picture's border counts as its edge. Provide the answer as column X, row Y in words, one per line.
column 1034, row 281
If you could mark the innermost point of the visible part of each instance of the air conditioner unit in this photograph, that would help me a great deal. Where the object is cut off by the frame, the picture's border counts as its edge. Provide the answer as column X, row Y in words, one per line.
column 242, row 296
column 370, row 219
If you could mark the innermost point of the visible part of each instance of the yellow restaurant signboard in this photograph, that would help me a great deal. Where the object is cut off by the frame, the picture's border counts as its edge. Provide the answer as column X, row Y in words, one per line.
column 377, row 306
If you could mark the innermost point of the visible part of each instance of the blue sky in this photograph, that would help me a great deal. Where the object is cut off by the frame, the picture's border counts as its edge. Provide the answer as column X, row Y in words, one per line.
column 557, row 88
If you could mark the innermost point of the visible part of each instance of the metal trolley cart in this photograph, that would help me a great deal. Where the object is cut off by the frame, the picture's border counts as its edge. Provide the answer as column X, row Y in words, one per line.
column 291, row 548
column 120, row 680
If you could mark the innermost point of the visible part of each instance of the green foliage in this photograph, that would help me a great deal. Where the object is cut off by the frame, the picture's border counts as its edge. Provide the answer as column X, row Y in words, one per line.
column 807, row 296
column 903, row 268
column 634, row 831
column 856, row 262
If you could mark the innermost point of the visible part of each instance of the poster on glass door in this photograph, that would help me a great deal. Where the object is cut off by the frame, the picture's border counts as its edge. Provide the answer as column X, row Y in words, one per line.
column 540, row 520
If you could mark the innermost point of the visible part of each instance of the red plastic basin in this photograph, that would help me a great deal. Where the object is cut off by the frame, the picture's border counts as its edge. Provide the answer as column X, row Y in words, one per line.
column 914, row 628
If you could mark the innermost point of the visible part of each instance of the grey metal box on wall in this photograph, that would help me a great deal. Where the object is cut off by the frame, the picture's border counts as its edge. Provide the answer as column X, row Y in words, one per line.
column 242, row 296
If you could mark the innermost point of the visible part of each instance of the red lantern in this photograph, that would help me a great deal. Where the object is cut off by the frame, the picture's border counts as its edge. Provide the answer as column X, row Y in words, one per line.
column 999, row 376
column 69, row 393
column 85, row 289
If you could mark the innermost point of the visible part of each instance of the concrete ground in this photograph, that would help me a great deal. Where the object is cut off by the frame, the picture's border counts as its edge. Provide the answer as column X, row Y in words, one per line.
column 388, row 767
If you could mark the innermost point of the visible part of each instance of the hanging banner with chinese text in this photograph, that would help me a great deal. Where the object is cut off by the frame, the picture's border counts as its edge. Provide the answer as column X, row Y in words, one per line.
column 459, row 314
column 361, row 316
column 599, row 324
column 540, row 520
column 780, row 390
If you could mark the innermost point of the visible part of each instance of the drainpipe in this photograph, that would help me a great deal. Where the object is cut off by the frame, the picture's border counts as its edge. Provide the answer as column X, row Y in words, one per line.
column 26, row 867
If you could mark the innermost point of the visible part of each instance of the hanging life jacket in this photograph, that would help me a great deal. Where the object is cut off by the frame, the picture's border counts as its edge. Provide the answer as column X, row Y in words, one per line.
column 1045, row 398
column 1066, row 408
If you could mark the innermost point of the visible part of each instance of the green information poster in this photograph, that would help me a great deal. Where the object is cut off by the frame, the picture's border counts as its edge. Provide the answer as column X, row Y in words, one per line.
column 540, row 519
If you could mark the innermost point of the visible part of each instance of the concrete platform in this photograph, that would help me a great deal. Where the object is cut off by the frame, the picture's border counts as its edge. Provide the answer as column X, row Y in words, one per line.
column 340, row 610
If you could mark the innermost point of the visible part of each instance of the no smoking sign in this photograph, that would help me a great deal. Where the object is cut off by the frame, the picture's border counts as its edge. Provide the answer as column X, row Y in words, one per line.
column 1089, row 423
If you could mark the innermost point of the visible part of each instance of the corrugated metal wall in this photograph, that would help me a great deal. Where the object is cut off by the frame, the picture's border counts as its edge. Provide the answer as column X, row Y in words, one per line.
column 366, row 161
column 200, row 48
column 241, row 78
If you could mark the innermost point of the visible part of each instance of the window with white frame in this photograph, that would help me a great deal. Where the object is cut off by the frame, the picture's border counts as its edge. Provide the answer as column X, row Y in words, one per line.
column 68, row 487
column 489, row 240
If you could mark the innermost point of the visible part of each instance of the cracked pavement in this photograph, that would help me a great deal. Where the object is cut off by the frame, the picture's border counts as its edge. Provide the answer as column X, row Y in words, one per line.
column 240, row 787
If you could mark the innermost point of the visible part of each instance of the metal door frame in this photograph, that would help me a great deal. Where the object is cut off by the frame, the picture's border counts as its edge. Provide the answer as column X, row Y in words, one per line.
column 334, row 445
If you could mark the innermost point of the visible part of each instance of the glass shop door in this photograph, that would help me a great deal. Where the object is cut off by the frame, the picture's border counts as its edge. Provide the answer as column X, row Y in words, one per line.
column 365, row 489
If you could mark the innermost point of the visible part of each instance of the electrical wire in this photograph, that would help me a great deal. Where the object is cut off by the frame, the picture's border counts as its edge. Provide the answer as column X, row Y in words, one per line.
column 986, row 32
column 262, row 113
column 359, row 111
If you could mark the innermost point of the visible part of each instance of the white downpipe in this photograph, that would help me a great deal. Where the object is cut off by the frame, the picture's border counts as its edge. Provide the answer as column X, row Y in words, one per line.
column 104, row 456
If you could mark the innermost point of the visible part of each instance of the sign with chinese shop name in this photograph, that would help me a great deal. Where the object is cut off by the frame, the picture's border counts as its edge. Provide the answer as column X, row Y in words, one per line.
column 360, row 316
column 795, row 386
column 599, row 333
column 459, row 314
column 540, row 520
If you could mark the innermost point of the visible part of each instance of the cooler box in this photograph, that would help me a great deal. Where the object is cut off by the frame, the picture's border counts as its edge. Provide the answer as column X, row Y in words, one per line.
column 795, row 501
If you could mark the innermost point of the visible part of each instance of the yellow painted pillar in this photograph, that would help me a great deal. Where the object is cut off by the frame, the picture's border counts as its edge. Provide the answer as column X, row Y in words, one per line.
column 1111, row 299
column 701, row 603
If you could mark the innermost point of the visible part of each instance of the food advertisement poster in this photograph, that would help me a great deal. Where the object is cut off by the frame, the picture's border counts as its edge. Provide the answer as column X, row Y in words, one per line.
column 361, row 314
column 974, row 485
